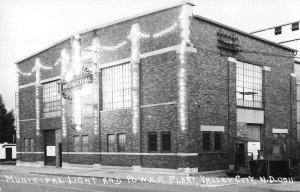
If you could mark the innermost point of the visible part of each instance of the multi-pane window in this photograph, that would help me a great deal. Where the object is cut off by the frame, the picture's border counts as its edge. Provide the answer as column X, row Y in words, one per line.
column 166, row 141
column 248, row 85
column 152, row 142
column 211, row 141
column 51, row 100
column 110, row 143
column 85, row 143
column 76, row 144
column 121, row 142
column 116, row 87
column 29, row 144
column 206, row 141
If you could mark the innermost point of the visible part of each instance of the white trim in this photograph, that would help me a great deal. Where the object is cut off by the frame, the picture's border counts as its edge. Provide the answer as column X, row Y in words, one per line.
column 122, row 153
column 42, row 81
column 212, row 128
column 266, row 68
column 50, row 79
column 19, row 152
column 293, row 75
column 143, row 55
column 27, row 85
column 27, row 119
column 280, row 130
column 231, row 59
column 113, row 63
column 160, row 51
column 159, row 104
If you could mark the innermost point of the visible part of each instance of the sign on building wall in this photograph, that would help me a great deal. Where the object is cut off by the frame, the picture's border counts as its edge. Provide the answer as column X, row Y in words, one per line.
column 77, row 82
column 253, row 148
column 50, row 151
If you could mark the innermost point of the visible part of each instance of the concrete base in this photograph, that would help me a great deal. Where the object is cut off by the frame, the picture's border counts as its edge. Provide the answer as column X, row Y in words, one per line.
column 30, row 164
column 188, row 170
column 136, row 168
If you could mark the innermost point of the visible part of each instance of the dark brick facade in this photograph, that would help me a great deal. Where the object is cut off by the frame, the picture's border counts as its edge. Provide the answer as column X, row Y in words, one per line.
column 210, row 88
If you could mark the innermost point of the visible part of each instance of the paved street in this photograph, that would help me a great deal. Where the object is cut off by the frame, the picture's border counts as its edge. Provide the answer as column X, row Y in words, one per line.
column 20, row 179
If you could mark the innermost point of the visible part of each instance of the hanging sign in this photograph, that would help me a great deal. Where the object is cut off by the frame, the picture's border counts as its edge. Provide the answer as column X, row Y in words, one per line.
column 77, row 82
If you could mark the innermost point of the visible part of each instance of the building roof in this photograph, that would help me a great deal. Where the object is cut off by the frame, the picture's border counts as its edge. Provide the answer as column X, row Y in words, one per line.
column 147, row 13
column 243, row 33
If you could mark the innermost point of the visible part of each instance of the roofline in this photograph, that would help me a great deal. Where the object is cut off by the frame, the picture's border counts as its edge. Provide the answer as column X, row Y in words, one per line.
column 109, row 24
column 244, row 33
column 261, row 30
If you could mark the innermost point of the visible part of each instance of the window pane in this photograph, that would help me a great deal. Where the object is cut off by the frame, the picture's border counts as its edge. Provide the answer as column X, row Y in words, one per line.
column 121, row 142
column 166, row 141
column 253, row 132
column 31, row 145
column 110, row 143
column 76, row 144
column 218, row 141
column 26, row 145
column 152, row 141
column 85, row 143
column 206, row 141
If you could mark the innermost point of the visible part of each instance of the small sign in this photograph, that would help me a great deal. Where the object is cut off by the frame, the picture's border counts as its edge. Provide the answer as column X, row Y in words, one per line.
column 254, row 147
column 77, row 82
column 50, row 151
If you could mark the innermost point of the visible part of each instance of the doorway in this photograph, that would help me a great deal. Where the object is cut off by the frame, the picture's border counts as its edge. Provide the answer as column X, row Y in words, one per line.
column 49, row 148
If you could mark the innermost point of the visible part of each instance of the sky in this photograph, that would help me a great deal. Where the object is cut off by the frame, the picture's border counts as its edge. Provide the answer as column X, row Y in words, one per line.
column 27, row 26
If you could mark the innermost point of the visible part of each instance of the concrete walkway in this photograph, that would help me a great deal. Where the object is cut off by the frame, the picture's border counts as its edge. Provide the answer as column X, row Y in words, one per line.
column 204, row 179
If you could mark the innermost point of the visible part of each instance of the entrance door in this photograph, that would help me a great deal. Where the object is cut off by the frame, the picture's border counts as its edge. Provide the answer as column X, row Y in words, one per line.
column 8, row 154
column 49, row 148
column 240, row 155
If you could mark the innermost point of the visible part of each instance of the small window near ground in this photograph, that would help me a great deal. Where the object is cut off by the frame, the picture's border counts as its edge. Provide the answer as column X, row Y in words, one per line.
column 121, row 142
column 206, row 141
column 152, row 142
column 166, row 141
column 110, row 143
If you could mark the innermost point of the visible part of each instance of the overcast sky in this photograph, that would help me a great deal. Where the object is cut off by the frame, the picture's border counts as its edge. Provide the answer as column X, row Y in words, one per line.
column 27, row 26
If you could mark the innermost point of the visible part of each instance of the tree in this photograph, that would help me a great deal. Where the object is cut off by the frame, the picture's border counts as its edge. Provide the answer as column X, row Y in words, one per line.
column 7, row 127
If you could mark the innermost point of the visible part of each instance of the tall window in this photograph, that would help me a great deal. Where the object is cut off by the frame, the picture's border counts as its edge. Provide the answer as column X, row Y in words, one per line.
column 116, row 87
column 110, row 143
column 51, row 100
column 76, row 144
column 253, row 132
column 206, row 141
column 248, row 85
column 121, row 142
column 166, row 141
column 85, row 143
column 152, row 142
column 29, row 144
column 217, row 141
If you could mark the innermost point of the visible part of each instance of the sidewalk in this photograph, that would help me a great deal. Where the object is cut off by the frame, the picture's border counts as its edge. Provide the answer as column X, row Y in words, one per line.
column 204, row 179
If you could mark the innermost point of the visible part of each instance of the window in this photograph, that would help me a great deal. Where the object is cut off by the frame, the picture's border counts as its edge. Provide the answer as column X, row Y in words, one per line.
column 277, row 30
column 295, row 26
column 116, row 87
column 110, row 143
column 217, row 141
column 121, row 142
column 29, row 144
column 76, row 144
column 152, row 142
column 248, row 85
column 166, row 141
column 253, row 132
column 51, row 100
column 85, row 143
column 211, row 141
column 206, row 141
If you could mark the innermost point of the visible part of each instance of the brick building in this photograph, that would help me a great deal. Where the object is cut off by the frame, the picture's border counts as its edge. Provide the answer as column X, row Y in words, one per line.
column 165, row 89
